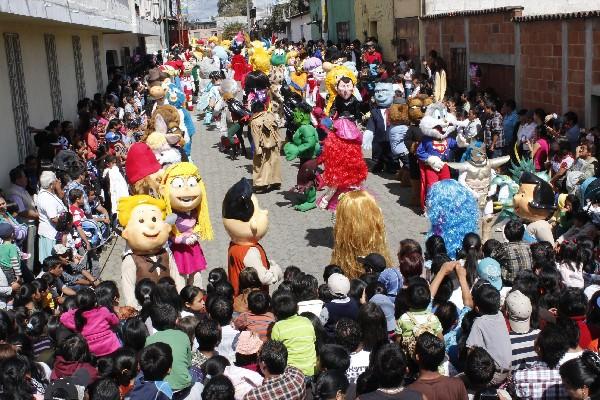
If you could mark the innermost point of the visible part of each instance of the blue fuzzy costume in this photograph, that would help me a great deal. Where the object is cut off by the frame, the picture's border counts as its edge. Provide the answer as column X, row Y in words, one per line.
column 452, row 212
column 179, row 103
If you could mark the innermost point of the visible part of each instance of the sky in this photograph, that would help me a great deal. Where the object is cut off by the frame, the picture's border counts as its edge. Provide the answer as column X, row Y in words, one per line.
column 205, row 9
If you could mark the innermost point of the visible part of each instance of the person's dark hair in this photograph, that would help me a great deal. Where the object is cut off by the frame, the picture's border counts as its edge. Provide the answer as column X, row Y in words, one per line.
column 37, row 324
column 490, row 247
column 218, row 388
column 291, row 273
column 222, row 289
column 274, row 354
column 514, row 230
column 447, row 313
column 430, row 351
column 13, row 375
column 389, row 366
column 551, row 345
column 143, row 294
column 166, row 293
column 258, row 302
column 329, row 383
column 510, row 103
column 573, row 303
column 215, row 276
column 374, row 288
column 348, row 334
column 570, row 330
column 248, row 279
column 15, row 174
column 215, row 366
column 581, row 253
column 106, row 293
column 163, row 316
column 470, row 252
column 571, row 116
column 156, row 360
column 434, row 245
column 104, row 389
column 25, row 295
column 208, row 334
column 330, row 270
column 86, row 301
column 189, row 293
column 74, row 195
column 320, row 332
column 284, row 304
column 188, row 326
column 125, row 366
column 373, row 326
column 411, row 265
column 357, row 289
column 304, row 287
column 480, row 367
column 592, row 316
column 418, row 294
column 221, row 310
column 285, row 286
column 583, row 371
column 487, row 299
column 408, row 246
column 527, row 282
column 134, row 333
column 74, row 348
column 334, row 356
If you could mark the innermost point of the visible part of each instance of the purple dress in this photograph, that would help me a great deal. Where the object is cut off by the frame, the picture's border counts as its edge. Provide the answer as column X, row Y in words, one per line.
column 189, row 258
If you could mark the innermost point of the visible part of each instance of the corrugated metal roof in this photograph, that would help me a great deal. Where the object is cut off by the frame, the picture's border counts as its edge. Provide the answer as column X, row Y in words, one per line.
column 465, row 13
column 549, row 17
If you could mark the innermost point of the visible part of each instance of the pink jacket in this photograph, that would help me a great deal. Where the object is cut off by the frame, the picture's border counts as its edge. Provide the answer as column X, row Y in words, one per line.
column 97, row 329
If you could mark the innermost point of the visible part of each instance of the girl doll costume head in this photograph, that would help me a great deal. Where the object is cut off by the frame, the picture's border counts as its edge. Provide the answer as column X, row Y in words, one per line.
column 359, row 230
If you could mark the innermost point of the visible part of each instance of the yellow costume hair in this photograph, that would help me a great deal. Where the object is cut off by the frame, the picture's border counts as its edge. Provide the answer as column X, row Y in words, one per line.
column 260, row 59
column 359, row 230
column 127, row 204
column 203, row 228
column 331, row 80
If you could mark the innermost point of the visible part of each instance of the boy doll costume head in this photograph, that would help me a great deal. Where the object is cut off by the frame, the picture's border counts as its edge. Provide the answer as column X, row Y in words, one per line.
column 534, row 202
column 246, row 223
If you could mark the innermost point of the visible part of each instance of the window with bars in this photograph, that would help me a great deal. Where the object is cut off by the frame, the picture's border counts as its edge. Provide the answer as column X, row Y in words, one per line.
column 16, row 79
column 97, row 64
column 343, row 31
column 55, row 93
column 79, row 73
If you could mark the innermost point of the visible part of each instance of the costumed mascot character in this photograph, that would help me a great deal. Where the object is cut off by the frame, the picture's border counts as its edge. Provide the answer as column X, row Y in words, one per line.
column 266, row 163
column 157, row 140
column 187, row 84
column 239, row 116
column 276, row 77
column 257, row 89
column 434, row 150
column 415, row 113
column 246, row 224
column 344, row 166
column 305, row 146
column 353, row 237
column 157, row 86
column 146, row 234
column 142, row 169
column 452, row 212
column 376, row 135
column 298, row 79
column 239, row 65
column 175, row 128
column 341, row 88
column 315, row 91
column 184, row 193
column 476, row 173
column 534, row 202
column 177, row 99
column 260, row 59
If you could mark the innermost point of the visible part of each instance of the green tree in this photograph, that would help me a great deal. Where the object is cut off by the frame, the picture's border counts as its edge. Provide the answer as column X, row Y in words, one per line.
column 230, row 30
column 232, row 8
column 279, row 18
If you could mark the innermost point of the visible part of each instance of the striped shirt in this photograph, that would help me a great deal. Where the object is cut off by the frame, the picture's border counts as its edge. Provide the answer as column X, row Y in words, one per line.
column 298, row 336
column 523, row 351
column 257, row 323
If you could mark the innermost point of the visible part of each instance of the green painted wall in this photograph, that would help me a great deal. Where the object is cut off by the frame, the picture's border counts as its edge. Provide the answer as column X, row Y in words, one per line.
column 340, row 11
column 315, row 9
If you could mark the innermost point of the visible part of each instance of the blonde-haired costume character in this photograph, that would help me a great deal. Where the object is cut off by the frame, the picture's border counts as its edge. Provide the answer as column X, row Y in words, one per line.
column 146, row 233
column 184, row 193
column 359, row 230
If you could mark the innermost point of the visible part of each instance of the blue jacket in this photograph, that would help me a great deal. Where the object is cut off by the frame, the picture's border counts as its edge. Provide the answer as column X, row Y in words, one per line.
column 150, row 390
column 434, row 147
column 376, row 124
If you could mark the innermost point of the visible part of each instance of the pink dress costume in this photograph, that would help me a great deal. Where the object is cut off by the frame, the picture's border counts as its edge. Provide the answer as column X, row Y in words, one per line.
column 189, row 258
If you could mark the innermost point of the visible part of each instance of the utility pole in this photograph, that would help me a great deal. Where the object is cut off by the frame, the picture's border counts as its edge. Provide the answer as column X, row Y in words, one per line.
column 249, row 22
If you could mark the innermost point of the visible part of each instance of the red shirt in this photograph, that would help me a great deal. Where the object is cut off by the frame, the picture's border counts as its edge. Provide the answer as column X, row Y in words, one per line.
column 78, row 215
column 374, row 57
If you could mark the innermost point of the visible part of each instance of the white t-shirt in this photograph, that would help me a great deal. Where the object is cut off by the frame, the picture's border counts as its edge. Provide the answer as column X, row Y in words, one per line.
column 359, row 362
column 229, row 338
column 49, row 206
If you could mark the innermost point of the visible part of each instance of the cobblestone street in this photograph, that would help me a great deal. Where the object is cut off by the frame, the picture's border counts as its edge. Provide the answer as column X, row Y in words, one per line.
column 294, row 238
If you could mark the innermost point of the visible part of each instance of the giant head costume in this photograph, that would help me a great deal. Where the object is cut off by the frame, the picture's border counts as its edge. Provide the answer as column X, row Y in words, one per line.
column 384, row 94
column 142, row 169
column 245, row 222
column 344, row 89
column 143, row 219
column 535, row 199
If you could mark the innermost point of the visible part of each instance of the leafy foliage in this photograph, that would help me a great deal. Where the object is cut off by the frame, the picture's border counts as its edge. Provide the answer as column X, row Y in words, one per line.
column 230, row 30
column 232, row 8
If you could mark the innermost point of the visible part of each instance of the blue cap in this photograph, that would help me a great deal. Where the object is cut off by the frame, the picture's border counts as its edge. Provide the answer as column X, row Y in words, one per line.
column 490, row 270
column 392, row 280
column 112, row 137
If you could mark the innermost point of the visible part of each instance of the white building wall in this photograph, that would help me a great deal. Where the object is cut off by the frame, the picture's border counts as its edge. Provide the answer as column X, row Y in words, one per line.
column 299, row 28
column 531, row 7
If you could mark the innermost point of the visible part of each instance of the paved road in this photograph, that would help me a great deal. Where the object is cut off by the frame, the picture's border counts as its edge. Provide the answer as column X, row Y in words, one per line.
column 294, row 238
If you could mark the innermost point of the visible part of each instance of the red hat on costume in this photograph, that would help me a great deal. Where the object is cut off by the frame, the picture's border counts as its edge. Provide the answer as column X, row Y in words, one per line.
column 140, row 162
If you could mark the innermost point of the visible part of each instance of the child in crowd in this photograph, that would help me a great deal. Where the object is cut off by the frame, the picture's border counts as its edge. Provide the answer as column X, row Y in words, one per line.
column 77, row 201
column 258, row 318
column 221, row 310
column 156, row 361
column 208, row 336
column 295, row 332
column 193, row 299
column 10, row 255
column 341, row 306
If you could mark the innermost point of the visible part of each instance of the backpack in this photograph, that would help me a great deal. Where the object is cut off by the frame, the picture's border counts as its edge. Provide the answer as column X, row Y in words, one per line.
column 409, row 343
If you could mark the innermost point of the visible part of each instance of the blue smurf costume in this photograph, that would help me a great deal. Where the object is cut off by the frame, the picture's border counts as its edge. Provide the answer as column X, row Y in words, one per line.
column 176, row 98
column 452, row 212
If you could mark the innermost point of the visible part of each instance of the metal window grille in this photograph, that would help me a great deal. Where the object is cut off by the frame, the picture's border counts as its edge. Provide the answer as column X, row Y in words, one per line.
column 55, row 93
column 16, row 79
column 97, row 64
column 79, row 74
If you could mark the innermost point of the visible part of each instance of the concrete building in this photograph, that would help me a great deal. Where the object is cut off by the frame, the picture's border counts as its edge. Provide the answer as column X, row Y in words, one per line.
column 299, row 27
column 55, row 52
column 541, row 60
column 340, row 20
column 530, row 7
